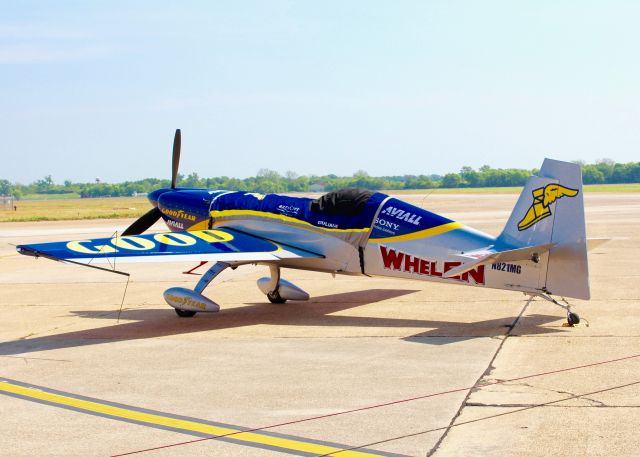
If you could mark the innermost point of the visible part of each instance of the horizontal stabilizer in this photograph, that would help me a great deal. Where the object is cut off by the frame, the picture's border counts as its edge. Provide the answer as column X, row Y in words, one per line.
column 477, row 258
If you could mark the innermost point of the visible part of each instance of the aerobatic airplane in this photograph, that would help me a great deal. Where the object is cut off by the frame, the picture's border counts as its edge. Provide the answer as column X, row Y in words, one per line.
column 542, row 250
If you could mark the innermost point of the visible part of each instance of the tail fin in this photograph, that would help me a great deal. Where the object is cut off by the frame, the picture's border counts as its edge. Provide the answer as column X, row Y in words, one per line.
column 551, row 210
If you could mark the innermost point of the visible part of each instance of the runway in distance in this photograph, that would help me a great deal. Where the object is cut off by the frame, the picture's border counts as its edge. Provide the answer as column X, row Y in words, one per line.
column 542, row 250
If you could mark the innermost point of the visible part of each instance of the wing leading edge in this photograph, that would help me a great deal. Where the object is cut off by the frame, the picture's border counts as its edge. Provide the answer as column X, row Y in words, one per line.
column 212, row 245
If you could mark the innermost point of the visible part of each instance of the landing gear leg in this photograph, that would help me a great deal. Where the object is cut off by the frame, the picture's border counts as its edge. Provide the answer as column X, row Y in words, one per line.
column 279, row 290
column 211, row 273
column 274, row 286
column 572, row 318
column 188, row 302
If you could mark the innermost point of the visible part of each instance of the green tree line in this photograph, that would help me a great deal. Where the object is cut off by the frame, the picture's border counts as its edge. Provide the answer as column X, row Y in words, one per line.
column 268, row 181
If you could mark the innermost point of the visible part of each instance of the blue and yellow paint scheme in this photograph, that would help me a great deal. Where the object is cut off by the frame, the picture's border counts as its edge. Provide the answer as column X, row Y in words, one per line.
column 385, row 236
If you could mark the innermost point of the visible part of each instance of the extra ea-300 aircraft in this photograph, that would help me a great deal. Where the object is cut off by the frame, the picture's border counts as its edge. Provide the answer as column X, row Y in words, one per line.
column 542, row 250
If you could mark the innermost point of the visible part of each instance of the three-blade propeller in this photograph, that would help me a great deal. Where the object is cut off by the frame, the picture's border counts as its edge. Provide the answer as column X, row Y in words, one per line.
column 152, row 216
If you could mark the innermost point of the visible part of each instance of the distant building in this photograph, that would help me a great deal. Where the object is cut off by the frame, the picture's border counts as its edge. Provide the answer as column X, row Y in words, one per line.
column 7, row 203
column 317, row 187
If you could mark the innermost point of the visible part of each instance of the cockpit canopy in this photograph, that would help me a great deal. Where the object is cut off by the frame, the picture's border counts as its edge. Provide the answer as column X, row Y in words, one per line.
column 347, row 209
column 343, row 202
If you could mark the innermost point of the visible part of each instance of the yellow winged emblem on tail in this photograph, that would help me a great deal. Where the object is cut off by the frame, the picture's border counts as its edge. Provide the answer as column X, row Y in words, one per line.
column 543, row 197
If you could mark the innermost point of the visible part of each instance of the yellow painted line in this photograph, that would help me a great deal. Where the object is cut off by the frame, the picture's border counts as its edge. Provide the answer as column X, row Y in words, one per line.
column 119, row 412
column 281, row 217
column 421, row 234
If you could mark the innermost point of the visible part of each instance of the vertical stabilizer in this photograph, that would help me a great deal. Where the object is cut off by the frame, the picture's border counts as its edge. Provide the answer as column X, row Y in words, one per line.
column 551, row 210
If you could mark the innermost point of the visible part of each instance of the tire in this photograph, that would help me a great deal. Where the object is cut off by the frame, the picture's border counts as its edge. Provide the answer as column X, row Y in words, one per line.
column 184, row 313
column 274, row 297
column 573, row 319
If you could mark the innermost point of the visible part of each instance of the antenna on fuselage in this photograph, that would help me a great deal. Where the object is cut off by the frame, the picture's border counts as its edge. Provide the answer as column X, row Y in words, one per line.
column 425, row 197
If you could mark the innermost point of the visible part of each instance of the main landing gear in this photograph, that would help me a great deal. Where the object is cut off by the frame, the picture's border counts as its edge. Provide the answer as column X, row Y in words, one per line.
column 280, row 290
column 188, row 302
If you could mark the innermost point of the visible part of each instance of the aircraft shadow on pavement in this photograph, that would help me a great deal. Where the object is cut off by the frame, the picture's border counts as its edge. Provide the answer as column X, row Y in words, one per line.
column 317, row 312
column 449, row 332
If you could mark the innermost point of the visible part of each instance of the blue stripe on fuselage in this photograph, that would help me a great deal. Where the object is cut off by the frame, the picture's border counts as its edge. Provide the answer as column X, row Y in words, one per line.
column 400, row 218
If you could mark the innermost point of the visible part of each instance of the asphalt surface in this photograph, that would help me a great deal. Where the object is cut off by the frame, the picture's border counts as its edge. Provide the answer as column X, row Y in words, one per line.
column 430, row 369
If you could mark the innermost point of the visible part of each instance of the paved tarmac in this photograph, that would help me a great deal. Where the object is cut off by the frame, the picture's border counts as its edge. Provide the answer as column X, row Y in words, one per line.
column 433, row 370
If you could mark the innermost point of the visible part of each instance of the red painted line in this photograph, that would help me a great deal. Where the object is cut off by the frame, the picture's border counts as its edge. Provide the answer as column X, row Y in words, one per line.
column 458, row 424
column 380, row 405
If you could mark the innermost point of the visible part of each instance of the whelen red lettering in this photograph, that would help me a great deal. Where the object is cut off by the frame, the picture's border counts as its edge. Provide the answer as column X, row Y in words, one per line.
column 411, row 264
column 391, row 259
column 450, row 265
column 434, row 271
column 400, row 261
column 477, row 274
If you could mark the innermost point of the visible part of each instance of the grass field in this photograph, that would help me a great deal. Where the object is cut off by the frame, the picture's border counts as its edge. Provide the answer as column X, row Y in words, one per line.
column 50, row 196
column 79, row 208
column 130, row 207
column 516, row 190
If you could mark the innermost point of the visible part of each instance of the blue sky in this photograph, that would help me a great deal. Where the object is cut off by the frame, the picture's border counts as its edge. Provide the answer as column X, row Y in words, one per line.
column 92, row 89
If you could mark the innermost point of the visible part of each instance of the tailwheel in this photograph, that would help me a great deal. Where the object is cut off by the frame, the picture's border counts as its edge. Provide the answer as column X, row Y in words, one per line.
column 274, row 297
column 573, row 318
column 184, row 313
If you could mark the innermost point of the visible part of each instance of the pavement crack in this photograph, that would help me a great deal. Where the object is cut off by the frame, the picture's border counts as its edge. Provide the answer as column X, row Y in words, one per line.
column 598, row 404
column 595, row 402
column 561, row 392
column 26, row 359
column 479, row 382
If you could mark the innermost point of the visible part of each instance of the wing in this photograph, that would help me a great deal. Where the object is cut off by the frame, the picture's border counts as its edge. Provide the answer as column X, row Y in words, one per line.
column 212, row 245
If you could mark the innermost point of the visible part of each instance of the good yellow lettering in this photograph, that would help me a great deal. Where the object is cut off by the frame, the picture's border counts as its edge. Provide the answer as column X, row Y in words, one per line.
column 175, row 239
column 125, row 242
column 77, row 246
column 212, row 236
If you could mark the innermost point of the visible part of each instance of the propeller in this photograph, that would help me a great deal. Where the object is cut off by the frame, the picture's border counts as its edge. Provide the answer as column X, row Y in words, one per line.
column 143, row 223
column 151, row 217
column 177, row 139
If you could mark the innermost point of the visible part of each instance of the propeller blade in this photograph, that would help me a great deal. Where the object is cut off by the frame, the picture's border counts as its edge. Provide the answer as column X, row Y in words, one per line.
column 143, row 223
column 176, row 158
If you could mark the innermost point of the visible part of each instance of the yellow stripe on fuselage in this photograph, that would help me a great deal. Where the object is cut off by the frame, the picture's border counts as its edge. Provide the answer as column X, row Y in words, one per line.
column 438, row 230
column 282, row 218
column 202, row 225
